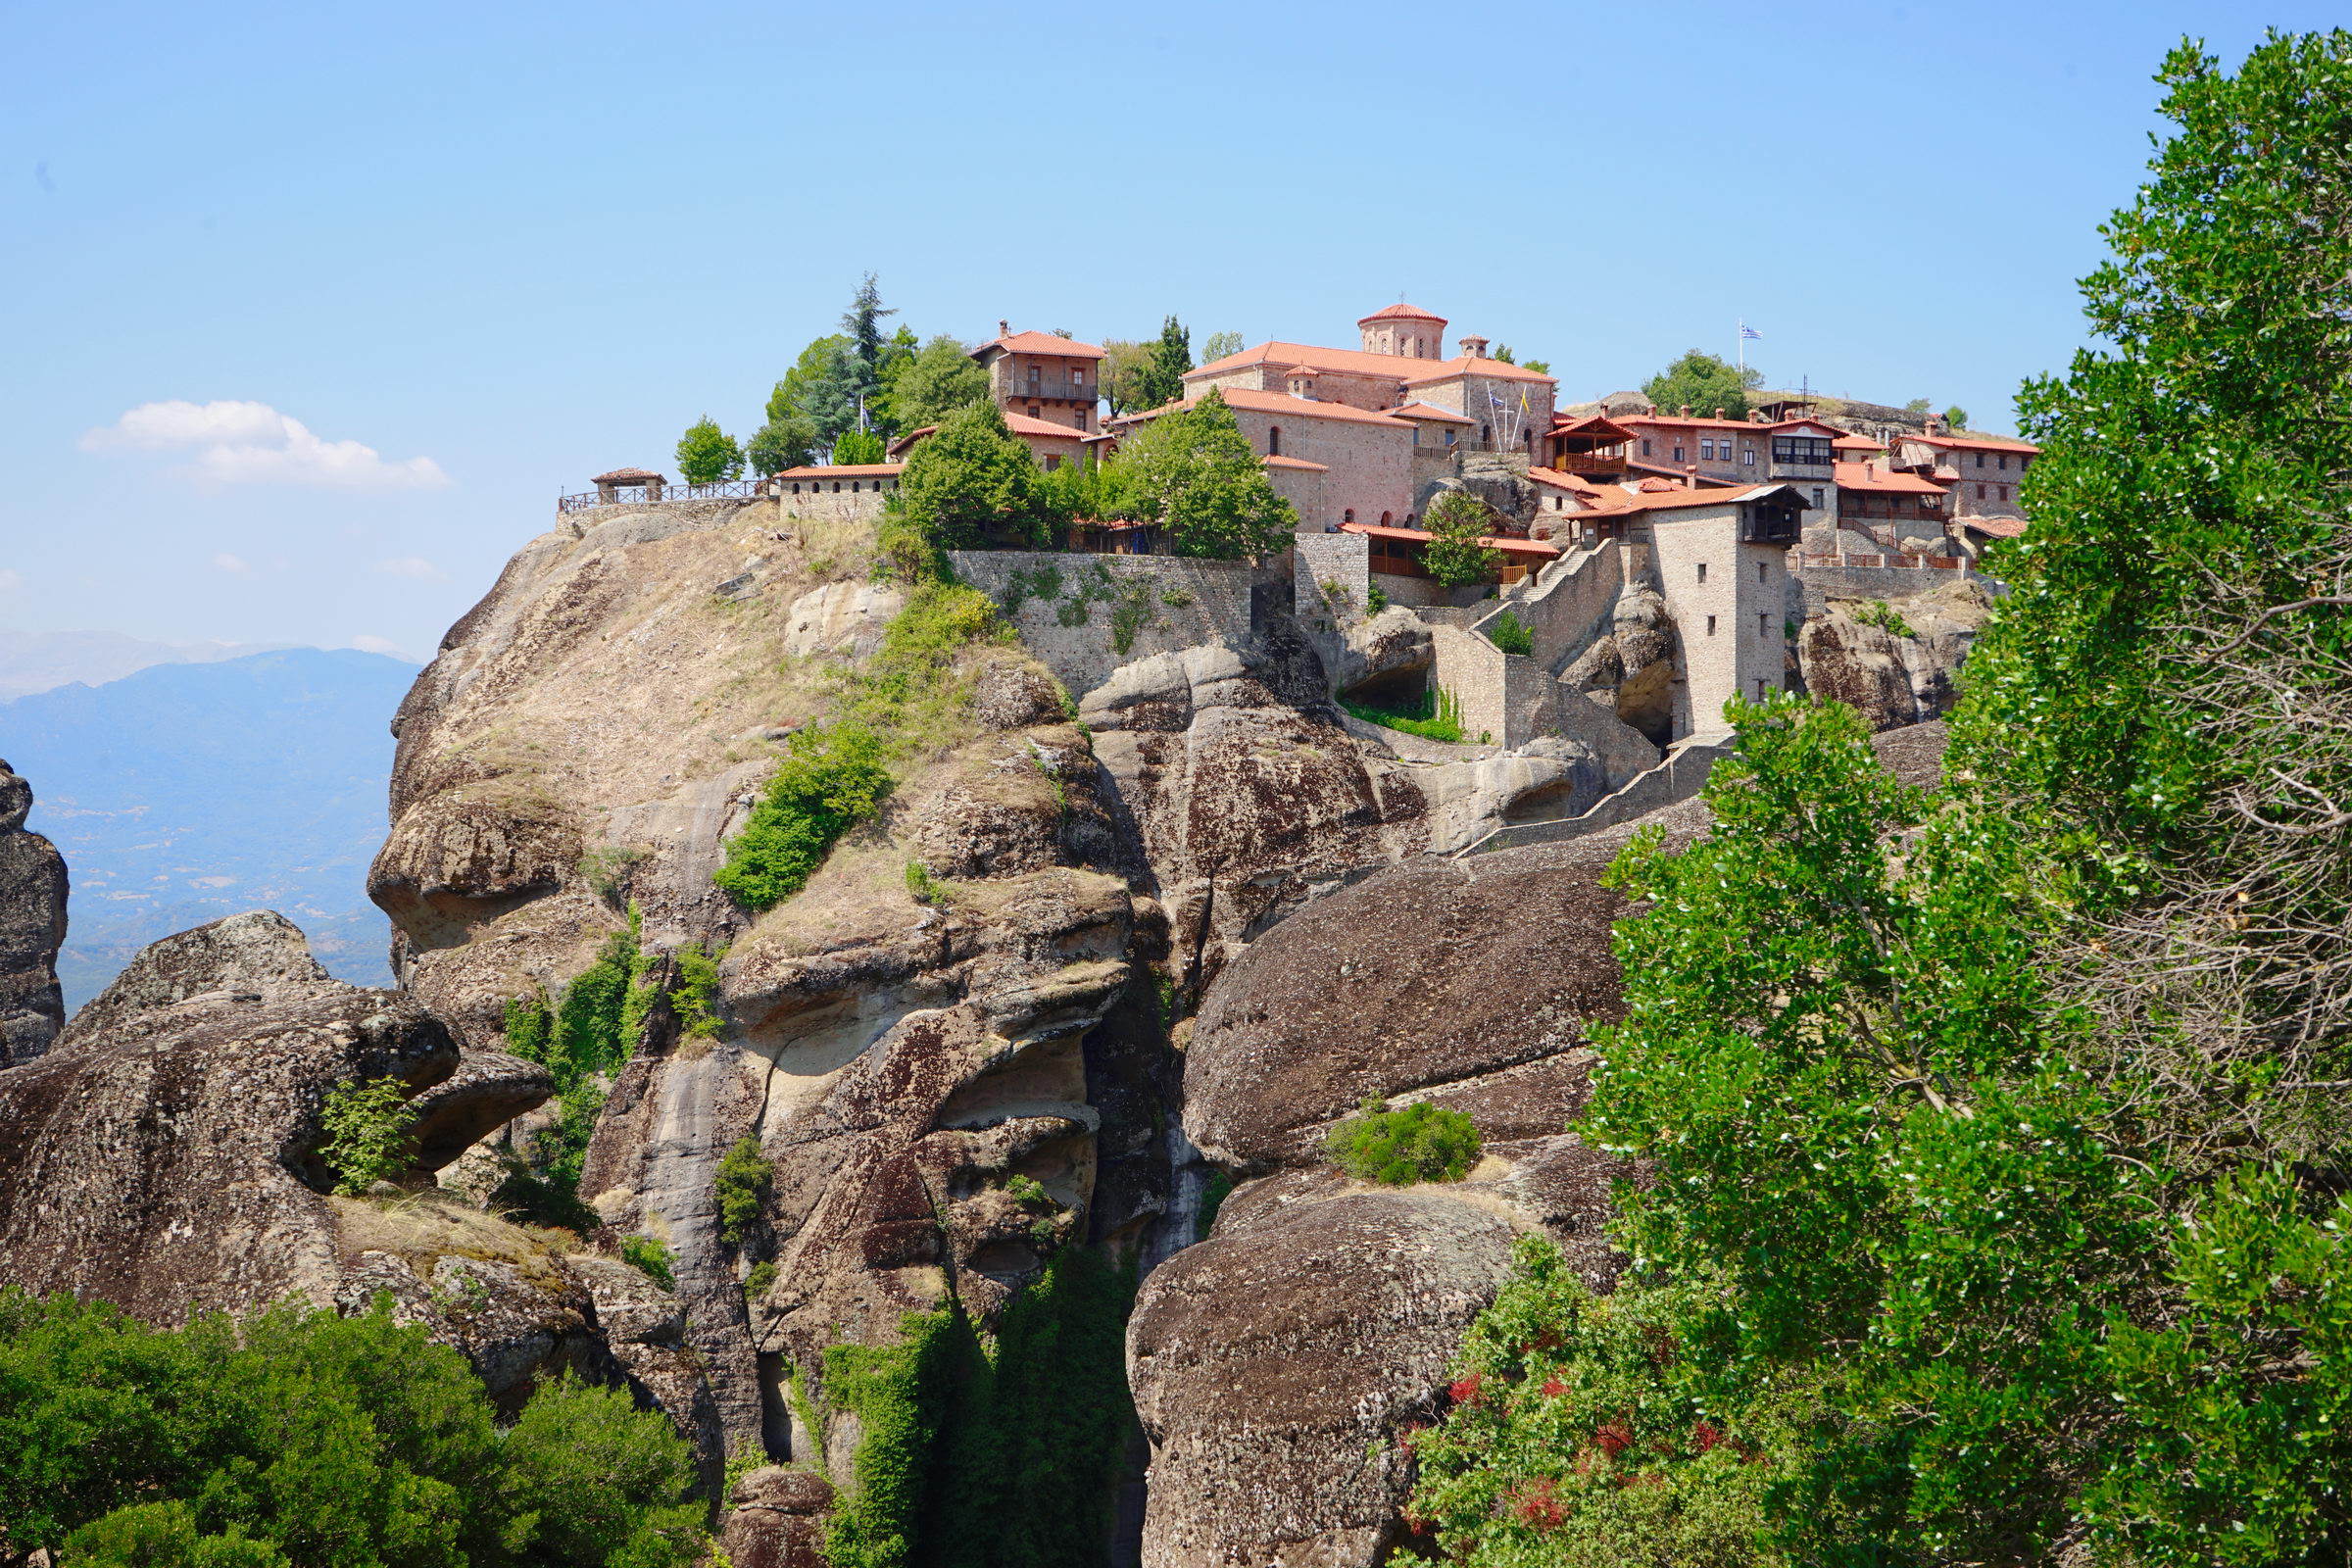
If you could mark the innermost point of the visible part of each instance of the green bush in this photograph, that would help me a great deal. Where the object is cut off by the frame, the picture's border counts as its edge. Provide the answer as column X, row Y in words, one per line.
column 1027, row 1191
column 1433, row 715
column 759, row 1281
column 832, row 780
column 1375, row 600
column 923, row 887
column 740, row 1187
column 1453, row 556
column 1422, row 1143
column 295, row 1436
column 650, row 1256
column 695, row 997
column 1879, row 613
column 370, row 1133
column 1511, row 634
column 591, row 1030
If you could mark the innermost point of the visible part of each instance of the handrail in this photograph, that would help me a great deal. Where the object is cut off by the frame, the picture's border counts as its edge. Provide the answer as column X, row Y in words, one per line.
column 640, row 494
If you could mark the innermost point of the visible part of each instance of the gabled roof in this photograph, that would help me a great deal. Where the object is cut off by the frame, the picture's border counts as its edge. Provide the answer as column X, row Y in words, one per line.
column 1558, row 481
column 1504, row 542
column 1856, row 443
column 1471, row 365
column 1299, row 464
column 1596, row 426
column 1995, row 528
column 1019, row 425
column 1068, row 348
column 1429, row 411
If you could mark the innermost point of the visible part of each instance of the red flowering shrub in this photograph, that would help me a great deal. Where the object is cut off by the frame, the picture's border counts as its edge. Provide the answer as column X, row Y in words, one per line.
column 1469, row 1390
column 1554, row 1387
column 1707, row 1434
column 1614, row 1439
column 1535, row 1505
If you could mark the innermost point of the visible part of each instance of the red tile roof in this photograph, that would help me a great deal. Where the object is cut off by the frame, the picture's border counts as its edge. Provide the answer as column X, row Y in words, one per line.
column 1598, row 427
column 1977, row 443
column 1562, row 482
column 1995, row 528
column 1694, row 422
column 1356, row 361
column 1470, row 365
column 842, row 470
column 1856, row 443
column 1620, row 502
column 1869, row 476
column 1429, row 411
column 1400, row 312
column 1018, row 423
column 1508, row 546
column 1068, row 348
column 1301, row 463
column 625, row 476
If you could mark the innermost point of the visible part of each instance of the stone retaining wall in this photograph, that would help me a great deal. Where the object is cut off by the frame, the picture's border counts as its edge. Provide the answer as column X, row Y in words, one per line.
column 1074, row 610
column 1875, row 578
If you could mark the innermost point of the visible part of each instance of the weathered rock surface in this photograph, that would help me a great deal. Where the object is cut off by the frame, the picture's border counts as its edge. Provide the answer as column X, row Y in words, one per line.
column 258, row 956
column 777, row 1519
column 1893, row 680
column 33, row 928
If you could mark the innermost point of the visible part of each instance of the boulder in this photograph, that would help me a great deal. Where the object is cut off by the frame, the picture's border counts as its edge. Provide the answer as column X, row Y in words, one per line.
column 776, row 1519
column 258, row 956
column 33, row 928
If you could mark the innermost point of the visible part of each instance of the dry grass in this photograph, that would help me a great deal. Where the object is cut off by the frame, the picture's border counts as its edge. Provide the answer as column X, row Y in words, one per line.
column 423, row 1227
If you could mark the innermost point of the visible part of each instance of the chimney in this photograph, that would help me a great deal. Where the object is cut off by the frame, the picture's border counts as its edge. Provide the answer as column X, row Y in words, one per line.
column 1690, row 475
column 1719, row 414
column 1475, row 347
column 1756, row 416
column 1934, row 425
column 1004, row 329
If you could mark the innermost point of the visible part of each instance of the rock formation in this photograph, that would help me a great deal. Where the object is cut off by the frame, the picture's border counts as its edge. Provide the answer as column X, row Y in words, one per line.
column 33, row 928
column 1897, row 662
column 166, row 1157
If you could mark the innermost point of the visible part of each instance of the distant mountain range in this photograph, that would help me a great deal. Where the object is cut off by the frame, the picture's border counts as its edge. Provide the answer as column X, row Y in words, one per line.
column 42, row 661
column 184, row 791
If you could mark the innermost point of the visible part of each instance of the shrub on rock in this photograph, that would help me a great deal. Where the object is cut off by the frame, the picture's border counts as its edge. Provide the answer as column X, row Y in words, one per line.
column 1421, row 1143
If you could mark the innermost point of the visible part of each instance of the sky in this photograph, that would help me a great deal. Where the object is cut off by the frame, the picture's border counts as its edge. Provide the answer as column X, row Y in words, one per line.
column 313, row 310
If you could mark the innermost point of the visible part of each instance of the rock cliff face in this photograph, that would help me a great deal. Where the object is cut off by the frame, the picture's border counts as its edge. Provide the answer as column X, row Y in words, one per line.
column 33, row 928
column 165, row 1157
column 1896, row 663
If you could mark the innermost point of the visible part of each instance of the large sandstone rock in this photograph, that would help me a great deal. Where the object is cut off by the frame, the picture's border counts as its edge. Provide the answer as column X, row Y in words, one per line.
column 1893, row 679
column 776, row 1519
column 33, row 928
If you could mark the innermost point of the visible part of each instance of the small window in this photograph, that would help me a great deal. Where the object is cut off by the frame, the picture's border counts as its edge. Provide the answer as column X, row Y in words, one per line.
column 1274, row 441
column 1702, row 571
column 1979, row 492
column 837, row 487
column 1645, row 446
column 1979, row 459
column 1817, row 498
column 1678, row 454
column 1052, row 463
column 1764, row 625
column 796, row 487
column 1077, row 375
column 1748, row 457
column 2004, row 491
column 1760, row 577
column 1706, row 451
column 2004, row 461
column 1348, row 515
column 1710, row 625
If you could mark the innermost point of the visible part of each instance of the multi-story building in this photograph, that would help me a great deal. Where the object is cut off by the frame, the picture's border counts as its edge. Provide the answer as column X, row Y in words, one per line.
column 1042, row 376
column 1335, row 463
column 1982, row 471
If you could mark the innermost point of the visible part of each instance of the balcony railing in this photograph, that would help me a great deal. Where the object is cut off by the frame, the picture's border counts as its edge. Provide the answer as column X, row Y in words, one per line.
column 638, row 493
column 1061, row 391
column 1611, row 461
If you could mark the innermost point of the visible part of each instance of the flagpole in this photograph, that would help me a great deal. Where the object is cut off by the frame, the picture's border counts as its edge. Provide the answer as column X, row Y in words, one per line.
column 1741, row 335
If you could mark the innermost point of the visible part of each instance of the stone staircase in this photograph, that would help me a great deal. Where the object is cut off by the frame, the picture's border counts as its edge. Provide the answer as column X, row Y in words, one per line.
column 1681, row 774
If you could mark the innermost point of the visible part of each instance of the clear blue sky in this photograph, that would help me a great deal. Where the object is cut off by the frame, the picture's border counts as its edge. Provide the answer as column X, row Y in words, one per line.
column 509, row 246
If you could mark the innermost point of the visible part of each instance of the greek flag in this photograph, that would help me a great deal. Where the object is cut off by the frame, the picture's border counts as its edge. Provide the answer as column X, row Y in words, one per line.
column 1746, row 330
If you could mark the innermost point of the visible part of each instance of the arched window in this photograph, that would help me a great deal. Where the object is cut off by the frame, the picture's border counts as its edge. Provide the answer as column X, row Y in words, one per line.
column 1274, row 441
column 837, row 487
column 1486, row 435
column 1348, row 515
column 1384, row 520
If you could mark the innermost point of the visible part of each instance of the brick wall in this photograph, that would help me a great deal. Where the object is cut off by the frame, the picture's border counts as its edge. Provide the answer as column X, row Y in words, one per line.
column 1075, row 630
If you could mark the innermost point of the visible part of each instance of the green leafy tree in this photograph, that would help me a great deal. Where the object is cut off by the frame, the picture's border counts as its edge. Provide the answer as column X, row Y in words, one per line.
column 1455, row 556
column 1703, row 383
column 294, row 1436
column 861, row 324
column 973, row 484
column 857, row 446
column 1194, row 474
column 897, row 357
column 1918, row 406
column 1125, row 364
column 2001, row 1125
column 741, row 1187
column 650, row 1256
column 1220, row 346
column 1159, row 379
column 371, row 1132
column 706, row 453
column 941, row 378
column 1417, row 1143
column 830, row 780
column 1955, row 418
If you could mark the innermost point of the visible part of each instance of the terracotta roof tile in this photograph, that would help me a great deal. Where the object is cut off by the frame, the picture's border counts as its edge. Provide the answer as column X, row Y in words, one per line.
column 1301, row 463
column 1068, row 348
column 625, row 476
column 1995, row 528
column 1401, row 311
column 1356, row 361
column 1868, row 476
column 842, row 470
column 1279, row 403
column 1429, row 411
column 1508, row 546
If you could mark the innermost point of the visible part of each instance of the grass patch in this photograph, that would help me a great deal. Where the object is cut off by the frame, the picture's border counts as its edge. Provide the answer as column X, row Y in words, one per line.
column 650, row 1256
column 1511, row 634
column 1433, row 716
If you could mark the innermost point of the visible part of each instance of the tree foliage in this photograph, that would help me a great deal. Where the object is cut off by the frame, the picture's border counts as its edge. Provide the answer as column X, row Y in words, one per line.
column 1193, row 471
column 370, row 1132
column 706, row 453
column 1455, row 556
column 1415, row 1143
column 2005, row 1126
column 1159, row 378
column 740, row 1188
column 297, row 1437
column 1219, row 346
column 938, row 380
column 973, row 1459
column 859, row 446
column 1702, row 382
column 971, row 484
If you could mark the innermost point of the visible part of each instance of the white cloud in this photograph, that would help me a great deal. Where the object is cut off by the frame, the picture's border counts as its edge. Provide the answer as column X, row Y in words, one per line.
column 252, row 443
column 415, row 566
column 366, row 644
column 232, row 563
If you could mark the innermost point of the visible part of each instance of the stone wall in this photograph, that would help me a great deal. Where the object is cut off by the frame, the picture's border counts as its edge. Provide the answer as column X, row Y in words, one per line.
column 1074, row 610
column 1369, row 460
column 1323, row 561
column 664, row 518
column 1569, row 603
column 1423, row 593
column 837, row 500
